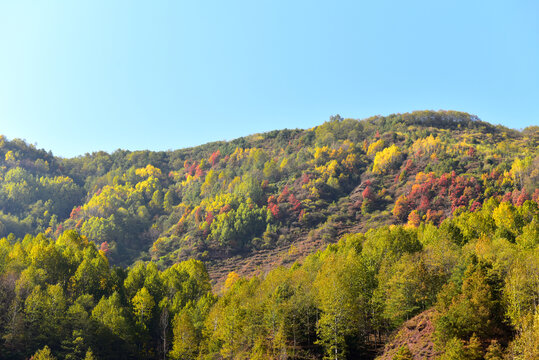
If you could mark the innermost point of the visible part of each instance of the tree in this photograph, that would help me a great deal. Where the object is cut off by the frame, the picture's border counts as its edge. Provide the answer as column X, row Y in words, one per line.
column 521, row 291
column 164, row 322
column 168, row 201
column 45, row 315
column 474, row 350
column 386, row 158
column 414, row 219
column 526, row 344
column 143, row 304
column 110, row 313
column 43, row 354
column 92, row 275
column 89, row 355
column 406, row 288
column 468, row 311
column 342, row 290
column 184, row 344
column 494, row 351
column 231, row 279
column 454, row 350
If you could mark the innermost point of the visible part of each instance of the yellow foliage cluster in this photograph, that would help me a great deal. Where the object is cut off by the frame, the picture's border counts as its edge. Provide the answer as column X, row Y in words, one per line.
column 329, row 169
column 519, row 169
column 209, row 181
column 325, row 153
column 426, row 146
column 350, row 162
column 252, row 154
column 386, row 158
column 214, row 204
column 235, row 182
column 331, row 163
column 148, row 171
column 375, row 147
column 56, row 180
column 231, row 279
column 107, row 200
column 147, row 186
column 10, row 157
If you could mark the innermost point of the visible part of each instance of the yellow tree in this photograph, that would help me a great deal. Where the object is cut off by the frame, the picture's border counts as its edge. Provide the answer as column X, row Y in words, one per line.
column 43, row 354
column 184, row 344
column 386, row 158
column 341, row 291
column 143, row 304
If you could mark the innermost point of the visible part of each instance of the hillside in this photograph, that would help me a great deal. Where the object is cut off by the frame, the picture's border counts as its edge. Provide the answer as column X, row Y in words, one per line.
column 415, row 335
column 407, row 236
column 266, row 191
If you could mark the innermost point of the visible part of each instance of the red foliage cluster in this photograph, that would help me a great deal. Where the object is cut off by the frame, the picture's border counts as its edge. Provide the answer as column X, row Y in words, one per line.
column 104, row 247
column 59, row 229
column 75, row 213
column 214, row 157
column 522, row 197
column 296, row 205
column 286, row 202
column 368, row 194
column 408, row 165
column 430, row 195
column 284, row 194
column 193, row 169
column 209, row 218
column 190, row 168
column 199, row 172
column 517, row 197
column 535, row 196
column 493, row 179
column 274, row 208
column 198, row 215
column 225, row 209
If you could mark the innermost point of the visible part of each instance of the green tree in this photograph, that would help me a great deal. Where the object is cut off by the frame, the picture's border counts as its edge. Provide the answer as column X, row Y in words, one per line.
column 470, row 310
column 45, row 315
column 110, row 313
column 92, row 275
column 168, row 201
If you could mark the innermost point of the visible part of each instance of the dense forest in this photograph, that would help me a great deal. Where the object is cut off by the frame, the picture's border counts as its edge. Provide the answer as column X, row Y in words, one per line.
column 105, row 256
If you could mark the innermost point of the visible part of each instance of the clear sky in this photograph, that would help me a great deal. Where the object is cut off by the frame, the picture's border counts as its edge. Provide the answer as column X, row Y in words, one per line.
column 82, row 76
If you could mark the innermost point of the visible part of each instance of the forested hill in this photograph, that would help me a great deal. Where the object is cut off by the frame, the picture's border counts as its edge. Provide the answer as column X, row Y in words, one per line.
column 427, row 225
column 268, row 190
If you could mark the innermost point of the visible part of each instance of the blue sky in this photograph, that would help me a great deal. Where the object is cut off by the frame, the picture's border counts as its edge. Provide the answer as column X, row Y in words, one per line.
column 82, row 76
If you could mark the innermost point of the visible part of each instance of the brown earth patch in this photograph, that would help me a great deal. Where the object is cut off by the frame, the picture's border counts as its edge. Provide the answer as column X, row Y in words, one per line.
column 416, row 333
